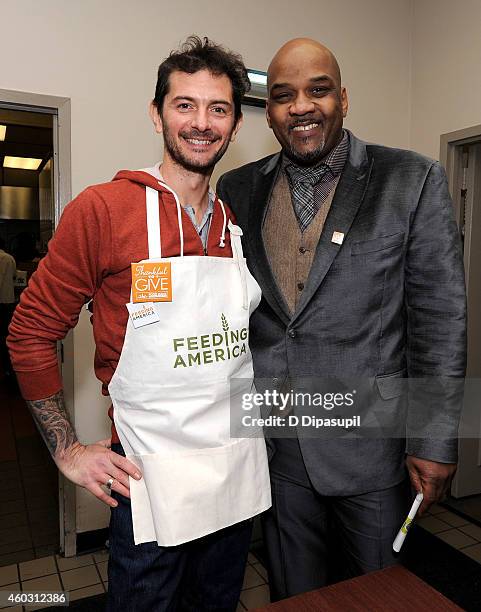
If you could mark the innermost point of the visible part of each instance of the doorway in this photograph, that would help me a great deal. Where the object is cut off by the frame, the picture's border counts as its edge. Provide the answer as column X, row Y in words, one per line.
column 461, row 156
column 37, row 509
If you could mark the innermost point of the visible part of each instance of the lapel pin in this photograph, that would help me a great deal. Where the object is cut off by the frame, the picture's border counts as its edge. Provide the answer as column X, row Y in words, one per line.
column 337, row 237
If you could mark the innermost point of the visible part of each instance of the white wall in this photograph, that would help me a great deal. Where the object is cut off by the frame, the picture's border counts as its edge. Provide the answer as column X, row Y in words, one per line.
column 446, row 92
column 104, row 55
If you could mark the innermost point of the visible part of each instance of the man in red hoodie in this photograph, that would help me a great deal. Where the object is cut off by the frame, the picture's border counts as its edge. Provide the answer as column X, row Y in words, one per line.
column 182, row 493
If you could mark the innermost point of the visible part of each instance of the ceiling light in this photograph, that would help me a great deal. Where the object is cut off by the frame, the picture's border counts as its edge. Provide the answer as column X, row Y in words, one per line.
column 256, row 77
column 3, row 129
column 23, row 163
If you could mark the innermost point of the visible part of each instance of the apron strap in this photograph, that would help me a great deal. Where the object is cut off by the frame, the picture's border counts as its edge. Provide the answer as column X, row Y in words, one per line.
column 153, row 232
column 238, row 256
column 153, row 223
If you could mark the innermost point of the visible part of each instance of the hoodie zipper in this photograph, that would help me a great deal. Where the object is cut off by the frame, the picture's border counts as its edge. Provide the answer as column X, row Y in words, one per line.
column 208, row 231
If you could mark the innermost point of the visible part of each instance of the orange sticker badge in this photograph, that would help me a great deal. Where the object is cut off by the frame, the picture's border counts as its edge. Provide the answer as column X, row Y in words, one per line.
column 151, row 282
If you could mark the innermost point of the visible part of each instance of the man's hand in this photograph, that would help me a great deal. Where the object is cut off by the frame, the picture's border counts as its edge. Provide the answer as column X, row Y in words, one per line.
column 431, row 478
column 91, row 467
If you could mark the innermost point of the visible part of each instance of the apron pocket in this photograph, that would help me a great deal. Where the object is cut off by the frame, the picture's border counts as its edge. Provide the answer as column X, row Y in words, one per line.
column 184, row 496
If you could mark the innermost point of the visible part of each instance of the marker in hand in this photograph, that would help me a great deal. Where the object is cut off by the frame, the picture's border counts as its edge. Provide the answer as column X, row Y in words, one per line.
column 401, row 536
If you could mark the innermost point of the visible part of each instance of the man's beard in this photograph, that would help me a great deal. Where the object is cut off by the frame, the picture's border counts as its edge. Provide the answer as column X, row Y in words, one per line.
column 192, row 165
column 308, row 158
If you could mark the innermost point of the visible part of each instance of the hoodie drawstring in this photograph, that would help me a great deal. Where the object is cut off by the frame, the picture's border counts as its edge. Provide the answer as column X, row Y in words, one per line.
column 179, row 216
column 222, row 236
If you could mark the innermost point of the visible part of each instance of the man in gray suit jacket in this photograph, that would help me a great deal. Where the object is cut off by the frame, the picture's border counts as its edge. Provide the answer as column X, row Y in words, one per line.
column 357, row 253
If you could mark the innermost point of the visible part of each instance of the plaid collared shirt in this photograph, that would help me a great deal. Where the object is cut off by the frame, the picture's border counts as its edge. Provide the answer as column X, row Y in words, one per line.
column 311, row 186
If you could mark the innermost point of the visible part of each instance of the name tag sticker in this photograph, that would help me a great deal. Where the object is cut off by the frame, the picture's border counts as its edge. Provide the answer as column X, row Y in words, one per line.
column 151, row 282
column 142, row 314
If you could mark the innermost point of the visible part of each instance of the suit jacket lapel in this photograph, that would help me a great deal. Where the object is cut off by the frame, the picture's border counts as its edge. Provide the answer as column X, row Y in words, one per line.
column 347, row 200
column 262, row 185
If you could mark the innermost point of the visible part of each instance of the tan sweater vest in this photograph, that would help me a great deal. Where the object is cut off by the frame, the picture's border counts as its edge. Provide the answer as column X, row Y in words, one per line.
column 290, row 251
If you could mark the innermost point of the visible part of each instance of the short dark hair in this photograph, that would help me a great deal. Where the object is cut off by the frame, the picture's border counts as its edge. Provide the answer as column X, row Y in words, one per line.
column 203, row 54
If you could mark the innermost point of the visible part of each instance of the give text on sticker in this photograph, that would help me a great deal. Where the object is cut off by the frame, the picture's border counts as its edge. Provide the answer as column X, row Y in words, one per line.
column 151, row 282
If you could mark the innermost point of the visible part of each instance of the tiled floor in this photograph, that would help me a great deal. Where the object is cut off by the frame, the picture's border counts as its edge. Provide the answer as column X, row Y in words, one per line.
column 468, row 506
column 255, row 590
column 82, row 576
column 86, row 575
column 29, row 502
column 454, row 530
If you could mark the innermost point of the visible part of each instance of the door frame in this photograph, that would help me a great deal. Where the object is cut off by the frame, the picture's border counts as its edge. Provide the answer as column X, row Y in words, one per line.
column 59, row 108
column 451, row 157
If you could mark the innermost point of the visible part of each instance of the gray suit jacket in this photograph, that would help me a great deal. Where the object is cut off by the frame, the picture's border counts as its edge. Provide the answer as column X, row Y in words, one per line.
column 388, row 302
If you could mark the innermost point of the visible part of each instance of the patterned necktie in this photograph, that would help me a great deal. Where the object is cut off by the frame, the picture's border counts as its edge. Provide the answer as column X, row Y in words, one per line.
column 303, row 182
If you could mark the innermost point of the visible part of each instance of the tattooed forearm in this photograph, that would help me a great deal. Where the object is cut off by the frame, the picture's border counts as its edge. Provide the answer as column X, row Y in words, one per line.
column 54, row 424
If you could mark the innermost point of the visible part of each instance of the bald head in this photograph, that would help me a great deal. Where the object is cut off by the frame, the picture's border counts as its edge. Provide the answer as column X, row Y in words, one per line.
column 299, row 50
column 306, row 103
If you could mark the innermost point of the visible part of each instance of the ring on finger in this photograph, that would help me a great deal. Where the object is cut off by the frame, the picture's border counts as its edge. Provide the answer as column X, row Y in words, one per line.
column 109, row 483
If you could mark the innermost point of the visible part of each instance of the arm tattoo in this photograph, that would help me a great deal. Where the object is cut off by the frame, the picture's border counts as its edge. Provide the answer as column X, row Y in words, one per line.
column 53, row 422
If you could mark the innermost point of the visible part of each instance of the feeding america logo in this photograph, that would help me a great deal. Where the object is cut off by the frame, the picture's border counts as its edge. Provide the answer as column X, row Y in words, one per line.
column 210, row 348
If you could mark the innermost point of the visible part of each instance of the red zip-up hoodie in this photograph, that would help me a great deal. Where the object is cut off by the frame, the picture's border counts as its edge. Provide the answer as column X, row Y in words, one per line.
column 101, row 232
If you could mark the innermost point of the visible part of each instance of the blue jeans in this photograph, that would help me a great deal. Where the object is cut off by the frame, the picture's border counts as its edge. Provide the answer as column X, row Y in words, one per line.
column 203, row 575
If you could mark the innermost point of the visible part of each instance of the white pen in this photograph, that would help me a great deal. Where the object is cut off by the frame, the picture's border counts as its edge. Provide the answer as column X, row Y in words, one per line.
column 401, row 536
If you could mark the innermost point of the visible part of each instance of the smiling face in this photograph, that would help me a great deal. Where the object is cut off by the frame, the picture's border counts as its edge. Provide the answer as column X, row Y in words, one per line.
column 197, row 119
column 306, row 103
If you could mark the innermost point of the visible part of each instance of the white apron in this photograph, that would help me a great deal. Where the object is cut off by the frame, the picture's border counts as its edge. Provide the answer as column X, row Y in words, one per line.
column 171, row 393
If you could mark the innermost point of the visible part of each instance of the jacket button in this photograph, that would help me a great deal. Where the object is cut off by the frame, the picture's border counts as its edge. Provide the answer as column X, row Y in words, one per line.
column 292, row 333
column 302, row 250
column 300, row 286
